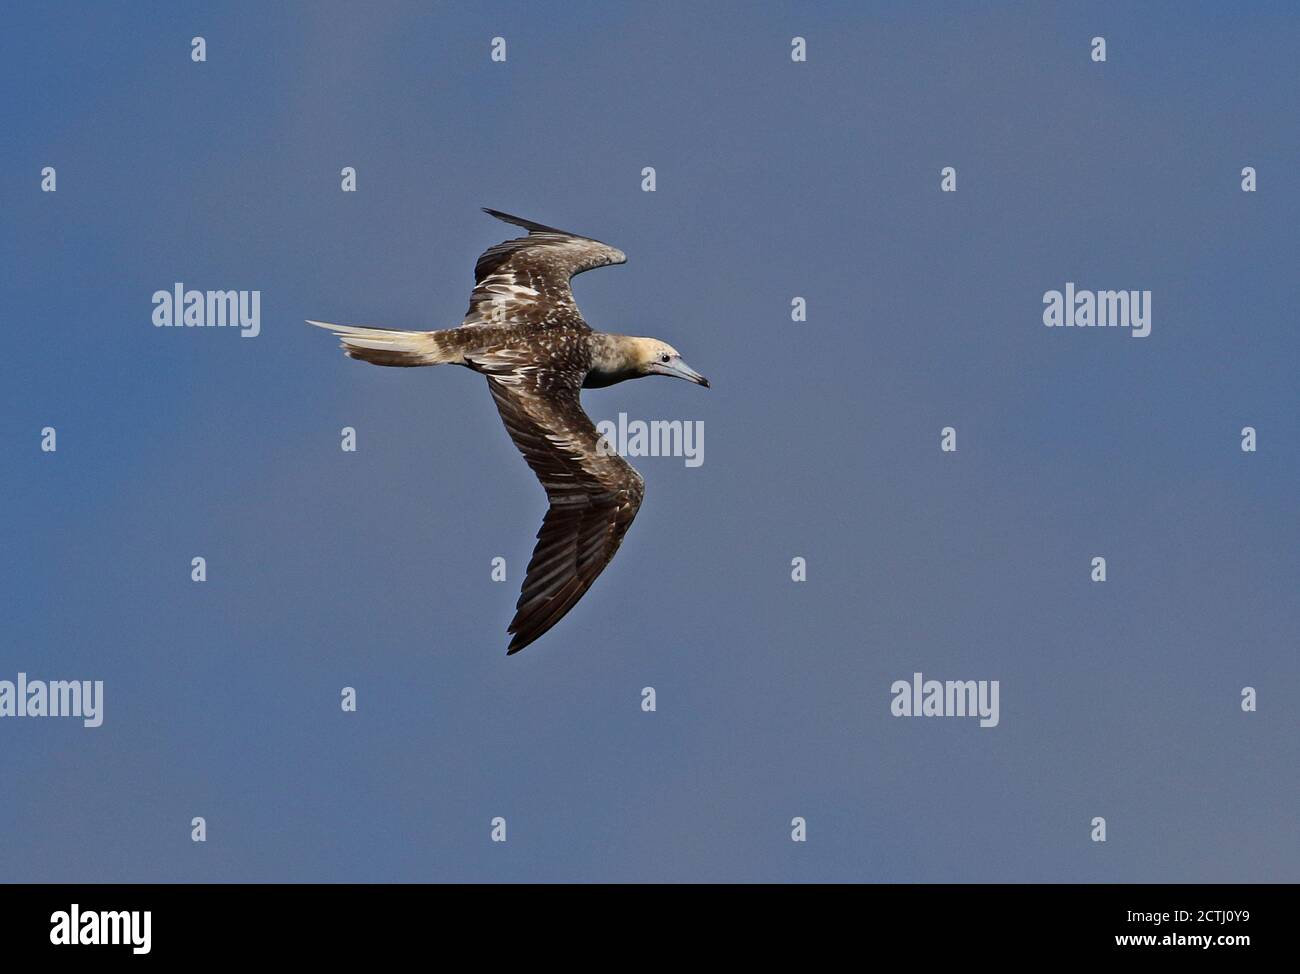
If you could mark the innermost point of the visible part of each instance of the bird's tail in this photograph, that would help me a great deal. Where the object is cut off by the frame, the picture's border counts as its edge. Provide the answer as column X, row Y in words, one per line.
column 382, row 346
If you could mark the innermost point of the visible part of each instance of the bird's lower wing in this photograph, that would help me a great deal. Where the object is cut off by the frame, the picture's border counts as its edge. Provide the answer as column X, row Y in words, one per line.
column 594, row 496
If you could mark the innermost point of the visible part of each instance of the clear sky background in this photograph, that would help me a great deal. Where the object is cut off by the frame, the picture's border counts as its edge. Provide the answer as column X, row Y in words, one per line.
column 775, row 179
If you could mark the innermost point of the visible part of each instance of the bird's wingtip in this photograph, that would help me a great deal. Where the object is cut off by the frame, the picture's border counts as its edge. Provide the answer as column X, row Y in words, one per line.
column 518, row 642
column 532, row 226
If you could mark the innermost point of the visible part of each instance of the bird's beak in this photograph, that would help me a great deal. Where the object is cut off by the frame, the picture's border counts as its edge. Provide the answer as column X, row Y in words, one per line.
column 680, row 370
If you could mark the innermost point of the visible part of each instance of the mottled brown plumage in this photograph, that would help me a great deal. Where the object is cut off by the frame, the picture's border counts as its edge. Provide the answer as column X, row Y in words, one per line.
column 524, row 332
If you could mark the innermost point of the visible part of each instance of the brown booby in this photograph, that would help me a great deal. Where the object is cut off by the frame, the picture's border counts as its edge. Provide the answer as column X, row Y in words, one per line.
column 524, row 332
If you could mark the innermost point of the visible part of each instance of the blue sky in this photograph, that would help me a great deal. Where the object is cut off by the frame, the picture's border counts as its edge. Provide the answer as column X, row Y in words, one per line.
column 774, row 179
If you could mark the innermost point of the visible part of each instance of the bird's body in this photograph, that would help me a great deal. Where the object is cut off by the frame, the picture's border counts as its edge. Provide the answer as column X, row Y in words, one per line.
column 524, row 333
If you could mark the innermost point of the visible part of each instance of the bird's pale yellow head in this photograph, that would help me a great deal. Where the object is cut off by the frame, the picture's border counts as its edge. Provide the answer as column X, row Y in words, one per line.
column 653, row 357
column 617, row 358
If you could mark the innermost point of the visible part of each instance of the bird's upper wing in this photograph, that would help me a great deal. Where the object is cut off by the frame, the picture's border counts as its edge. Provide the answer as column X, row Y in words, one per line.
column 526, row 281
column 594, row 494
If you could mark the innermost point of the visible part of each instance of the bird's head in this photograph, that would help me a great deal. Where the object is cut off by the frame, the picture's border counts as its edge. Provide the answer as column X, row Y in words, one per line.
column 653, row 357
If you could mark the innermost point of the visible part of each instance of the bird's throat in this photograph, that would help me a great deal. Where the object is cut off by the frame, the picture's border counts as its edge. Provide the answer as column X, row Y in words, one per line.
column 614, row 359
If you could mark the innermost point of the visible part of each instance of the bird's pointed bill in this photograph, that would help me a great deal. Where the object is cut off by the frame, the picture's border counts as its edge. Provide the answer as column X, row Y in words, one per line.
column 680, row 370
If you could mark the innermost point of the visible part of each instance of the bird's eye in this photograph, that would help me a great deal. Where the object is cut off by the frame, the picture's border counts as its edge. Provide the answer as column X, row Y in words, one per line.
column 664, row 358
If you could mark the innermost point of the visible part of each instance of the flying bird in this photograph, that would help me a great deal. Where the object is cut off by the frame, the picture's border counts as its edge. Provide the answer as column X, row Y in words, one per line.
column 524, row 332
